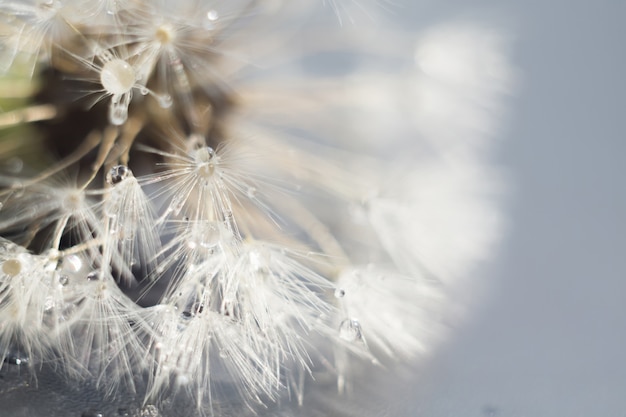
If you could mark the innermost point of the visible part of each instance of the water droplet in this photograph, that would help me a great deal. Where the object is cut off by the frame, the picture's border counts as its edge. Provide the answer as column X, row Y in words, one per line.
column 118, row 113
column 223, row 354
column 144, row 91
column 212, row 15
column 117, row 76
column 177, row 204
column 209, row 235
column 18, row 189
column 12, row 267
column 118, row 174
column 251, row 192
column 64, row 280
column 340, row 292
column 206, row 160
column 112, row 7
column 350, row 330
column 72, row 263
column 15, row 360
column 93, row 276
column 123, row 412
column 165, row 101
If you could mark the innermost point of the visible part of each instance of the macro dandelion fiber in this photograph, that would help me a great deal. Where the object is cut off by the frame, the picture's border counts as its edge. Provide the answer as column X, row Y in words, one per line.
column 196, row 220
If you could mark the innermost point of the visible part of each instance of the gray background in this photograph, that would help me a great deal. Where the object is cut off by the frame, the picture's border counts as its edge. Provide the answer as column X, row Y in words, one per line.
column 548, row 340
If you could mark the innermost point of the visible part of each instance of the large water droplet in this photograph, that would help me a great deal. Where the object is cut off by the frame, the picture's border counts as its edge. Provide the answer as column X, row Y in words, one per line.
column 117, row 76
column 350, row 330
column 212, row 15
column 72, row 263
column 118, row 174
column 12, row 267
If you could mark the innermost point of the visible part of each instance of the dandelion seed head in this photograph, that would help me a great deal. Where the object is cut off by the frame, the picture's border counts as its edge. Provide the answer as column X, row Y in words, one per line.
column 165, row 34
column 73, row 200
column 221, row 262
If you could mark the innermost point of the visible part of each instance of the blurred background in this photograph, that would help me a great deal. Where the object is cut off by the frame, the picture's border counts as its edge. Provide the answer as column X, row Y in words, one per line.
column 547, row 339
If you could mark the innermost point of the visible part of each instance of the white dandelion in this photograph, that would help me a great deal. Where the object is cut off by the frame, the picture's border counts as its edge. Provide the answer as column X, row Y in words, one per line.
column 229, row 228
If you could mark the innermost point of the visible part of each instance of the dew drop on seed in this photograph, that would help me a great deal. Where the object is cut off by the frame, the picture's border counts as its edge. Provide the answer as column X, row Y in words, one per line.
column 93, row 276
column 118, row 113
column 12, row 267
column 144, row 91
column 350, row 330
column 18, row 189
column 117, row 76
column 210, row 236
column 73, row 263
column 178, row 202
column 212, row 15
column 340, row 292
column 165, row 101
column 16, row 360
column 112, row 7
column 205, row 158
column 117, row 174
column 64, row 280
column 205, row 154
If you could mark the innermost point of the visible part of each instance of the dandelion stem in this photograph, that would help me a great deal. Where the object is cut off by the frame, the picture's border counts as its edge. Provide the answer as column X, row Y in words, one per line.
column 108, row 140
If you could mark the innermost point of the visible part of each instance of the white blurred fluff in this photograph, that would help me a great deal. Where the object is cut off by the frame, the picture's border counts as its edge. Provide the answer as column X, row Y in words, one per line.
column 324, row 231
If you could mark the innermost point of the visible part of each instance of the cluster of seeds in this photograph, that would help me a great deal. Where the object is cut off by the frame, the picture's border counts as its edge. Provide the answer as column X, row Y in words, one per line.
column 157, row 235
